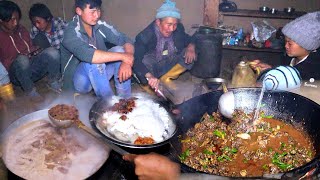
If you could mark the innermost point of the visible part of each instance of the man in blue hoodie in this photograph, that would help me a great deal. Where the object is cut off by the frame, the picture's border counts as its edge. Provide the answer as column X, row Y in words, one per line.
column 86, row 62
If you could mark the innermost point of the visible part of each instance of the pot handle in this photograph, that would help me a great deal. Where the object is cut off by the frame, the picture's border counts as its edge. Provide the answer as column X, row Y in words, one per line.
column 310, row 170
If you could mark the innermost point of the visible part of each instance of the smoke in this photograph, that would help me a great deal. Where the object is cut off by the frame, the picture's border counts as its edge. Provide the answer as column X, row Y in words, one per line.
column 182, row 91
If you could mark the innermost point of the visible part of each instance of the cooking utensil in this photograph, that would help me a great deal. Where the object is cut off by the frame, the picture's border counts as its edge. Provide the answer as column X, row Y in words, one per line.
column 100, row 107
column 214, row 83
column 291, row 108
column 29, row 119
column 158, row 91
column 227, row 6
column 67, row 123
column 161, row 94
column 226, row 104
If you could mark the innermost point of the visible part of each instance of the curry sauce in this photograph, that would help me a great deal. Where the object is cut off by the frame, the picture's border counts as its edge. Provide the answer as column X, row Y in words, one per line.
column 271, row 146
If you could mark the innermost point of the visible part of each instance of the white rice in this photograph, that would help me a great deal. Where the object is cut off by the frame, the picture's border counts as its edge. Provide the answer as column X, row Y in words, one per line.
column 147, row 119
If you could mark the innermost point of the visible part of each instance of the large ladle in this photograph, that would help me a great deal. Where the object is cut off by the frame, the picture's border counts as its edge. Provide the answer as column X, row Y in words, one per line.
column 67, row 123
column 226, row 104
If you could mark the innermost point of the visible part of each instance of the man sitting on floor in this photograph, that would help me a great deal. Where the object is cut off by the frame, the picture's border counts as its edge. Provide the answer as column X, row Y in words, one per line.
column 163, row 50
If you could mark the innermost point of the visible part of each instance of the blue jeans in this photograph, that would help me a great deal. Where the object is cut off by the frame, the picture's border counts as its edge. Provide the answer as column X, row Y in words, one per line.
column 97, row 77
column 24, row 71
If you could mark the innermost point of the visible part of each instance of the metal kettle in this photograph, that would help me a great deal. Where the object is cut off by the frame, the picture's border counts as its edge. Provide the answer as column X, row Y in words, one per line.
column 227, row 6
column 243, row 75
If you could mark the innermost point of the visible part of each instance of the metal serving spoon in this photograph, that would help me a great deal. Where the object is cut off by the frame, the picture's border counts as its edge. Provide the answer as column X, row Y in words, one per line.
column 67, row 123
column 226, row 104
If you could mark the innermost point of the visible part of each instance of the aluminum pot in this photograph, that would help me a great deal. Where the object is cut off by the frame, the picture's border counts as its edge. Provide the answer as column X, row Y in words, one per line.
column 283, row 105
column 43, row 115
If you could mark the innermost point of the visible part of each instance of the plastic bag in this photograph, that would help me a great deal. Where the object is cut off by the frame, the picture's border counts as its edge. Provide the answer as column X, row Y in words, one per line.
column 262, row 30
column 281, row 78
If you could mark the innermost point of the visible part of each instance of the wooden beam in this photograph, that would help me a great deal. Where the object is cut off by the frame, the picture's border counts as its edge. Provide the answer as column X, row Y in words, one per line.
column 211, row 13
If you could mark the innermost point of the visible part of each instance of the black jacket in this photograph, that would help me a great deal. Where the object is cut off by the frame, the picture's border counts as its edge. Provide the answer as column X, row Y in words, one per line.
column 309, row 68
column 146, row 42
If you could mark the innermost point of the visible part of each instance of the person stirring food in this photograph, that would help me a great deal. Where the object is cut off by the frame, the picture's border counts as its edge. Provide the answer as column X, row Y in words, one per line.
column 163, row 50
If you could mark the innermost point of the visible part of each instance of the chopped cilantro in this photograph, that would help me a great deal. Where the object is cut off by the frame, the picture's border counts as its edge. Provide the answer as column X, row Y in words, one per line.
column 223, row 157
column 276, row 160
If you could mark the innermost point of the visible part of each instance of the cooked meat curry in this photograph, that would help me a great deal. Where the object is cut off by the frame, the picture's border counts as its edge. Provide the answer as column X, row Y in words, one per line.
column 271, row 146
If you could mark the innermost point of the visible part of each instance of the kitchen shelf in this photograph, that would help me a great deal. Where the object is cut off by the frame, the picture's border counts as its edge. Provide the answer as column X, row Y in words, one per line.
column 259, row 14
column 246, row 48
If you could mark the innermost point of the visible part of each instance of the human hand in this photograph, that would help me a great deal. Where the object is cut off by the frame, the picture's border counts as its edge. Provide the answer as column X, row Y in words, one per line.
column 125, row 72
column 190, row 54
column 128, row 58
column 128, row 48
column 154, row 166
column 153, row 81
column 259, row 66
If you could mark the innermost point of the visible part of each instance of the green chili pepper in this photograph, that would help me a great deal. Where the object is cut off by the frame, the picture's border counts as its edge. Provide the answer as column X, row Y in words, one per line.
column 224, row 157
column 220, row 134
column 184, row 155
column 207, row 152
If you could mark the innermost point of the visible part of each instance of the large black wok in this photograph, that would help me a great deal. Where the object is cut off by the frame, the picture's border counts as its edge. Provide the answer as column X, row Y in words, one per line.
column 290, row 107
column 102, row 105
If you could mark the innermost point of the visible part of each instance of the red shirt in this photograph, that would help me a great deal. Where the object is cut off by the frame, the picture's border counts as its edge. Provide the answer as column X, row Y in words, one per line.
column 8, row 52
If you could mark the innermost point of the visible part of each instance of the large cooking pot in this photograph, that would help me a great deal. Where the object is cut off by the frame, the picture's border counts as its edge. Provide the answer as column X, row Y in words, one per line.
column 290, row 107
column 30, row 120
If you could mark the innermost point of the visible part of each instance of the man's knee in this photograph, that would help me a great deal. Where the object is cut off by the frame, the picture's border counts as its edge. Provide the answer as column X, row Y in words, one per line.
column 22, row 61
column 82, row 90
column 53, row 53
column 82, row 85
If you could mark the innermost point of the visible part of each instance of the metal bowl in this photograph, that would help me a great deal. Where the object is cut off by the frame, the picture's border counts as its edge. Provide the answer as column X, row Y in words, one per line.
column 96, row 114
column 214, row 83
column 264, row 9
column 289, row 10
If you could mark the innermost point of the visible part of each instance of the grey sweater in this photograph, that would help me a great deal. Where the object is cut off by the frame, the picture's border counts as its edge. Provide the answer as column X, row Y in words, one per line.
column 75, row 46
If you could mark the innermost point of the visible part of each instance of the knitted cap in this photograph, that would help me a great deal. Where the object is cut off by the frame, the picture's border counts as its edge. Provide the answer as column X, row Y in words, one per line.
column 168, row 9
column 305, row 30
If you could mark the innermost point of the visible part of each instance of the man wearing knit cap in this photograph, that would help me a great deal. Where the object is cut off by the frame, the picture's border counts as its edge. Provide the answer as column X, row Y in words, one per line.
column 163, row 50
column 302, row 39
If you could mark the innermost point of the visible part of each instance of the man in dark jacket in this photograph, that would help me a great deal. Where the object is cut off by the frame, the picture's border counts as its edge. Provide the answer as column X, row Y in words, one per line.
column 163, row 50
